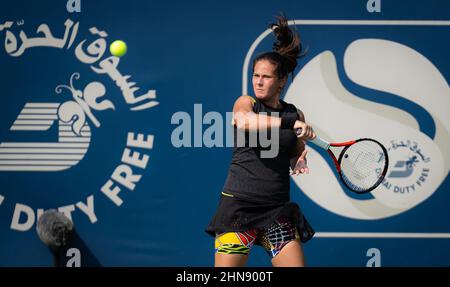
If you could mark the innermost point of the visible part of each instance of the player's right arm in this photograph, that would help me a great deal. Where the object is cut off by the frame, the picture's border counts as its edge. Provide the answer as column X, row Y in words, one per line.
column 245, row 118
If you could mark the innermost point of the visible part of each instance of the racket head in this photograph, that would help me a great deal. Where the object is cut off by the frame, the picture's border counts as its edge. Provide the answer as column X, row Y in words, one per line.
column 363, row 164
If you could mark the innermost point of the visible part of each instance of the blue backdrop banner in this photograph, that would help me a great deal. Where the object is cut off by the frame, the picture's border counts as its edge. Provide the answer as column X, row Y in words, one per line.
column 135, row 149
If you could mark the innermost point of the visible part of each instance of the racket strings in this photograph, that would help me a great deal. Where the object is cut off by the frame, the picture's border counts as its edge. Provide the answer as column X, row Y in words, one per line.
column 362, row 165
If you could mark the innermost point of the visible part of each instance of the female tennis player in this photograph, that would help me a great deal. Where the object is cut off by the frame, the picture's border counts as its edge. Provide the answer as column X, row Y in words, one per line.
column 255, row 206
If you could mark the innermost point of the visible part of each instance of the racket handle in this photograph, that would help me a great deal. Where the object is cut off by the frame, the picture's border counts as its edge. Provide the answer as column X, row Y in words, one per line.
column 320, row 142
column 317, row 140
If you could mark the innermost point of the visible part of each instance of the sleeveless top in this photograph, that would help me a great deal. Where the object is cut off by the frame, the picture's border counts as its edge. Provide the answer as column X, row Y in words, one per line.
column 254, row 178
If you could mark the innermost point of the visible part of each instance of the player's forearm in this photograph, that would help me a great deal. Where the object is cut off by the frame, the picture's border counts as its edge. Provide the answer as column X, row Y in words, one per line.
column 253, row 122
column 293, row 161
column 299, row 148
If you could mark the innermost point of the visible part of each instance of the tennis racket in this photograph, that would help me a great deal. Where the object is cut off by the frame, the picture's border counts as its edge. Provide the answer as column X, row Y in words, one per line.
column 362, row 164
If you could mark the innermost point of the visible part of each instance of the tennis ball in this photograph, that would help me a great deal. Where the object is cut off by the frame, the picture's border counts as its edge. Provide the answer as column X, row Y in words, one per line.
column 118, row 48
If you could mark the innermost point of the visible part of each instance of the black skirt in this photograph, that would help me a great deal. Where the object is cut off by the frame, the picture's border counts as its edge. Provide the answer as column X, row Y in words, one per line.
column 238, row 215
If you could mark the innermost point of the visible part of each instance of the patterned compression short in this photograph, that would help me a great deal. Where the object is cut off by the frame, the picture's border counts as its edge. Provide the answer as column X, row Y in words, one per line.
column 273, row 238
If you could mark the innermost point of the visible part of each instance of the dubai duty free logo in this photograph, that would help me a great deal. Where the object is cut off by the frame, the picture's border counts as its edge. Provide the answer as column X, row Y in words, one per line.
column 74, row 112
column 419, row 161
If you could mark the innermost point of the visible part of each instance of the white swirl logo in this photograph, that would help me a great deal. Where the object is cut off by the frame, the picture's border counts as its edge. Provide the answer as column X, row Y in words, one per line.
column 418, row 164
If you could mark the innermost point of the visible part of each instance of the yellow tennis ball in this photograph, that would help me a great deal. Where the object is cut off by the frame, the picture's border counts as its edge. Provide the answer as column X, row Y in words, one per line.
column 118, row 48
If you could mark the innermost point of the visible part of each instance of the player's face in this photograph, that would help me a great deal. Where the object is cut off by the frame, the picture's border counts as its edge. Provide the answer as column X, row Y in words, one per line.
column 266, row 84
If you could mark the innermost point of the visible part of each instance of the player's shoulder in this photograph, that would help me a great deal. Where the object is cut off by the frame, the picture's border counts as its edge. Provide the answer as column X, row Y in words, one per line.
column 291, row 108
column 244, row 103
column 246, row 99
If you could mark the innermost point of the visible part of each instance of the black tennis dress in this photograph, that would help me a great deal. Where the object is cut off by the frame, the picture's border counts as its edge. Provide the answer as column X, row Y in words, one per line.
column 257, row 190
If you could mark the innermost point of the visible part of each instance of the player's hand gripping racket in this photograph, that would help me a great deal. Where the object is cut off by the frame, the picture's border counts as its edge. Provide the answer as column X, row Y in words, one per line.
column 362, row 164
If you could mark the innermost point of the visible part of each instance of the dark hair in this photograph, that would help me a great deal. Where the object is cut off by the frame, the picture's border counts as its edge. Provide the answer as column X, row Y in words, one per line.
column 286, row 49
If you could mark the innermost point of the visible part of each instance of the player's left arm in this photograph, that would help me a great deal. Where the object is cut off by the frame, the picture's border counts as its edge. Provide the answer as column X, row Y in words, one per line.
column 298, row 159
